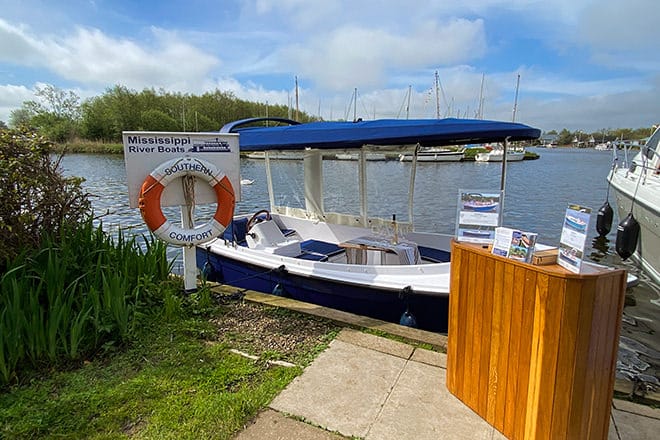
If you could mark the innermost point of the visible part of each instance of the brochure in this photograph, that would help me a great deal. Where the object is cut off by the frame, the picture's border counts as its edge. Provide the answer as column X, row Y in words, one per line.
column 574, row 237
column 514, row 244
column 478, row 214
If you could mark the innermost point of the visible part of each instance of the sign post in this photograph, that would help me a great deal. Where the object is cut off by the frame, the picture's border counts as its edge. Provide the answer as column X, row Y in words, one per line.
column 157, row 161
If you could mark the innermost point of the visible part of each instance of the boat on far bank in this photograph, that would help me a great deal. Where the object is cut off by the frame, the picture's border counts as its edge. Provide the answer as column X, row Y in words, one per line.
column 434, row 154
column 637, row 191
column 496, row 154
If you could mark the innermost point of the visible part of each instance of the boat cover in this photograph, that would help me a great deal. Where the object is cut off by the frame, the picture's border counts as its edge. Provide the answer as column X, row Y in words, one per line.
column 379, row 132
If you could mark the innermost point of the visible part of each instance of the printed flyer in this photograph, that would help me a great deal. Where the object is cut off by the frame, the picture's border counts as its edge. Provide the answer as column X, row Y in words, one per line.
column 478, row 214
column 573, row 237
column 514, row 244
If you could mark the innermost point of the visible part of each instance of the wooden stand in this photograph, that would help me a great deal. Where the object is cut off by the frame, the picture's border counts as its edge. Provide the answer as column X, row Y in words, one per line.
column 532, row 349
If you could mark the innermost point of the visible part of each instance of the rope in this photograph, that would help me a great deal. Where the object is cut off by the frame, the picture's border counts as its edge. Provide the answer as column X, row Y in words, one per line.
column 189, row 195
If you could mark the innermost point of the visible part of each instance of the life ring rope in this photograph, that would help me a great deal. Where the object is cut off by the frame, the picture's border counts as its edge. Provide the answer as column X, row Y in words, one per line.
column 149, row 201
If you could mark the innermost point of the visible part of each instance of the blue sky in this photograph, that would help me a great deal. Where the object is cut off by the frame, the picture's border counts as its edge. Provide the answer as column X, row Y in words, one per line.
column 583, row 64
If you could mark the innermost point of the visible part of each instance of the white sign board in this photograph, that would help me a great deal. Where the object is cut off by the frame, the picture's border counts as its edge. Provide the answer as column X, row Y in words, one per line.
column 146, row 150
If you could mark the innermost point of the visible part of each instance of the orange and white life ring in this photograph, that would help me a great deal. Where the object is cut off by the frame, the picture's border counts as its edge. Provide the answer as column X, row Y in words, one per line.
column 155, row 183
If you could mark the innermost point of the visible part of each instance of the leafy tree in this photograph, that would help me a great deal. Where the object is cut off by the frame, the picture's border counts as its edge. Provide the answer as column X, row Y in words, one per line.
column 21, row 116
column 565, row 137
column 56, row 115
column 36, row 198
column 156, row 120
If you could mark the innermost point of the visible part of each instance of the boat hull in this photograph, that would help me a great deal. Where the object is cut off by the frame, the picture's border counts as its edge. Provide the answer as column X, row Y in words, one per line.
column 430, row 311
column 646, row 212
column 512, row 156
column 434, row 156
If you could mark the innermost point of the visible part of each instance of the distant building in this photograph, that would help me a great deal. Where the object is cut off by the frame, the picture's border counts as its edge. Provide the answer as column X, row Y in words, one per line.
column 549, row 140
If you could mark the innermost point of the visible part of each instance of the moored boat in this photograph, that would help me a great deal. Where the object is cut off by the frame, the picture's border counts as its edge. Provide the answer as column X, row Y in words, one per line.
column 434, row 154
column 363, row 264
column 497, row 155
column 637, row 191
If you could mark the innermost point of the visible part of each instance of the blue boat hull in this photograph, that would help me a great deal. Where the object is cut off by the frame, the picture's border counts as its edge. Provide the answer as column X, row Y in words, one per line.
column 430, row 312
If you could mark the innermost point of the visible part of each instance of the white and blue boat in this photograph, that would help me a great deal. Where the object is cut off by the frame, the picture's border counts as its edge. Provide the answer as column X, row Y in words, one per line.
column 344, row 260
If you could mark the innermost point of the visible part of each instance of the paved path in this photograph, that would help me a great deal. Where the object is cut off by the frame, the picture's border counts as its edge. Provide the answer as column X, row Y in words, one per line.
column 373, row 388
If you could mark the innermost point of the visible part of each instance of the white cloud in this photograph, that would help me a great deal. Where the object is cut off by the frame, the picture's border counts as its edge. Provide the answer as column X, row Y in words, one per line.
column 11, row 98
column 91, row 57
column 353, row 56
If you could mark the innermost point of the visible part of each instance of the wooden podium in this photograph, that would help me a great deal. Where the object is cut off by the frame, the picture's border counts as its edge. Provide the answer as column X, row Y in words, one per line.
column 532, row 349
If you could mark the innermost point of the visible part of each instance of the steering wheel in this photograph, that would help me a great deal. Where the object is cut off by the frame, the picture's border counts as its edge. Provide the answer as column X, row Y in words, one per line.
column 256, row 219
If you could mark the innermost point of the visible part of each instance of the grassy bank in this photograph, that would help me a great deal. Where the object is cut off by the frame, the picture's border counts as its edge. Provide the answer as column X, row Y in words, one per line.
column 178, row 379
column 96, row 147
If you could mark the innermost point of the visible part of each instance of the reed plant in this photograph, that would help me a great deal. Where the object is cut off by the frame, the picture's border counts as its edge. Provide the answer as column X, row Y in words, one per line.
column 81, row 291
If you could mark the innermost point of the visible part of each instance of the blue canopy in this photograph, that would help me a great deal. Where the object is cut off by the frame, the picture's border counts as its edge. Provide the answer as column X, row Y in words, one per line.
column 382, row 132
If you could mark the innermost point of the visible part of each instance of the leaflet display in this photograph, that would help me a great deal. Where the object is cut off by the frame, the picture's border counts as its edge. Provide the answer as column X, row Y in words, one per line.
column 478, row 214
column 574, row 237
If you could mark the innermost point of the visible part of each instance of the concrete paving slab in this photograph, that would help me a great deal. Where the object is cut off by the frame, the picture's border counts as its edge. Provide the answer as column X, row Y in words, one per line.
column 343, row 390
column 272, row 425
column 630, row 426
column 420, row 407
column 636, row 408
column 429, row 357
column 384, row 345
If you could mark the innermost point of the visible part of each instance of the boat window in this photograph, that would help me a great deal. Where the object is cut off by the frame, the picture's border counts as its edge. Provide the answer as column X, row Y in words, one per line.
column 385, row 200
column 341, row 185
column 288, row 181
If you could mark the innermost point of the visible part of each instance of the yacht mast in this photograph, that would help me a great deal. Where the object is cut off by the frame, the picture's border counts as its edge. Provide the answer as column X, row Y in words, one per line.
column 437, row 95
column 515, row 101
column 480, row 111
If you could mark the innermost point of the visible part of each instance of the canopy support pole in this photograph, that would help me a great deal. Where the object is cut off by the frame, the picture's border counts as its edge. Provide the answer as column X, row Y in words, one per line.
column 411, row 189
column 503, row 174
column 362, row 175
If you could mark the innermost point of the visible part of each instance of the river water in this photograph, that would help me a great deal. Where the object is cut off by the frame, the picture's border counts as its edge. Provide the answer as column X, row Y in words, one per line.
column 536, row 197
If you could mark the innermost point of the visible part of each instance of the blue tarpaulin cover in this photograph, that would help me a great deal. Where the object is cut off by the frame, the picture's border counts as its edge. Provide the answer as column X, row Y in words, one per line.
column 382, row 132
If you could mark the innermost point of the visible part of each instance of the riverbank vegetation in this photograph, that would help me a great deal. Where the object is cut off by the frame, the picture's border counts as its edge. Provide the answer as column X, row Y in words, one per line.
column 98, row 338
column 62, row 117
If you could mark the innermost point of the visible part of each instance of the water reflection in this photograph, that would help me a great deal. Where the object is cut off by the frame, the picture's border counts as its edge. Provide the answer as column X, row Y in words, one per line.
column 600, row 247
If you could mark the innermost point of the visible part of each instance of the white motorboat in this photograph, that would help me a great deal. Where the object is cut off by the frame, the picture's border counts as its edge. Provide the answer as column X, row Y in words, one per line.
column 434, row 154
column 637, row 191
column 496, row 154
column 348, row 260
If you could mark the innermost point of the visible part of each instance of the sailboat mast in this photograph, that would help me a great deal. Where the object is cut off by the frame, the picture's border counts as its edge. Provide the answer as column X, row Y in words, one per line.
column 480, row 114
column 515, row 101
column 408, row 105
column 297, row 98
column 437, row 95
column 355, row 104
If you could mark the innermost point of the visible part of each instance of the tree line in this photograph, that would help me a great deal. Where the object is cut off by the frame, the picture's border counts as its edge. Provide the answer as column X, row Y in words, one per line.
column 567, row 137
column 61, row 116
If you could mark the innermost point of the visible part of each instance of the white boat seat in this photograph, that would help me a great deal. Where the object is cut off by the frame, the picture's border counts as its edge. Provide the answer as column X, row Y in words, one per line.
column 267, row 236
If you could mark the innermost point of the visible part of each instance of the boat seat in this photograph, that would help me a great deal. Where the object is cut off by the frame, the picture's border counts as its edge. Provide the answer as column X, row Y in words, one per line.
column 236, row 231
column 267, row 236
column 434, row 255
column 317, row 250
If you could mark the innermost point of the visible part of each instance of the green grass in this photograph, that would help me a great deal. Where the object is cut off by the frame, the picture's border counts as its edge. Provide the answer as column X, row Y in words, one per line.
column 96, row 147
column 178, row 380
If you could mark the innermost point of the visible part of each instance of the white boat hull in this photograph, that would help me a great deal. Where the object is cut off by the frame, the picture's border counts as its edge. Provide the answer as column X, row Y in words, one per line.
column 379, row 285
column 440, row 156
column 498, row 156
column 646, row 210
